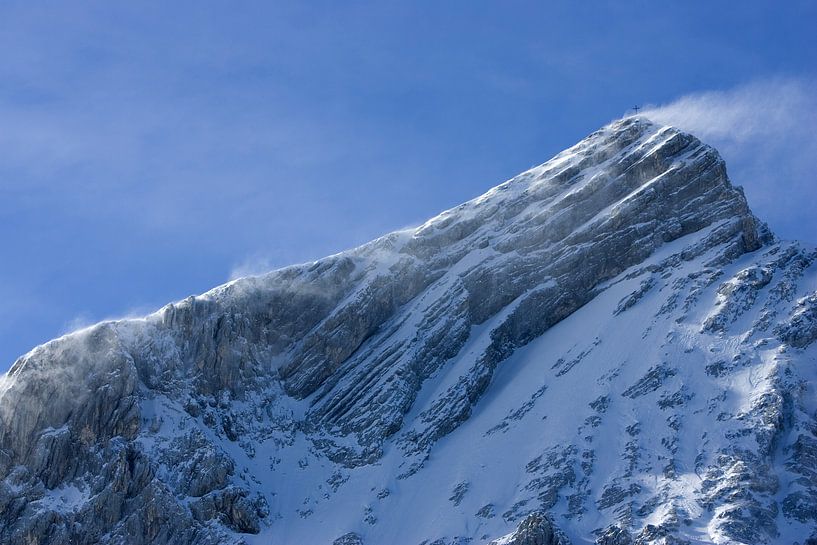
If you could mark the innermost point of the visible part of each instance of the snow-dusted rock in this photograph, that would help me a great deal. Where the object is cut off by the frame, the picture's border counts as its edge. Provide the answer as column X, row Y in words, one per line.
column 535, row 529
column 607, row 348
column 348, row 539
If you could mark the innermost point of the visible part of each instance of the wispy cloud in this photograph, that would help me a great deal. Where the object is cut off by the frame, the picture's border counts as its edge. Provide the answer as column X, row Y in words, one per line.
column 85, row 319
column 253, row 266
column 80, row 321
column 765, row 132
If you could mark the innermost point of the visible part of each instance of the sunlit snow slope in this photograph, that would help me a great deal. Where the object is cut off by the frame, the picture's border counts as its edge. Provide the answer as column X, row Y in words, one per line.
column 608, row 348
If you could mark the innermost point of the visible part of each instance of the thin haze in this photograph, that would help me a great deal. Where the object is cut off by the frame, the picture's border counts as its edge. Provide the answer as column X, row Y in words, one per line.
column 765, row 130
column 150, row 150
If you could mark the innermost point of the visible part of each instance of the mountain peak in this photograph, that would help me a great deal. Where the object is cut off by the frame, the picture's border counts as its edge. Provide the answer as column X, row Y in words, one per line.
column 632, row 170
column 600, row 348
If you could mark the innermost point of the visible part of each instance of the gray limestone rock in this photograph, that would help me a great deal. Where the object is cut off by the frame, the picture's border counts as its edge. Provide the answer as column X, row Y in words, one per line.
column 614, row 535
column 257, row 405
column 535, row 529
column 231, row 506
column 801, row 328
column 348, row 539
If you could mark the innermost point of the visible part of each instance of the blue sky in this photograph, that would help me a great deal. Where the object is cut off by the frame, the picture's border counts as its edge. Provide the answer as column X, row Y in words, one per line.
column 149, row 151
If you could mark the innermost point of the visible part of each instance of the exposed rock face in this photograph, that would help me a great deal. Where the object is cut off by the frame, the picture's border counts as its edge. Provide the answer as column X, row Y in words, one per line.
column 535, row 529
column 611, row 338
column 348, row 539
column 614, row 535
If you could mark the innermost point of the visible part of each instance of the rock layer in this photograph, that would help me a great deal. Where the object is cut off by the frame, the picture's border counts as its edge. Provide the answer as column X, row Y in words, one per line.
column 611, row 338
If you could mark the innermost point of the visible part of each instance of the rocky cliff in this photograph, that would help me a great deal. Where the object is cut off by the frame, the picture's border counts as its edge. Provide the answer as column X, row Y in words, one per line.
column 608, row 348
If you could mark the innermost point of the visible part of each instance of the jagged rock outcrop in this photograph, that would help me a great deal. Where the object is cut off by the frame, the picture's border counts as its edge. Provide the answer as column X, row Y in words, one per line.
column 614, row 535
column 535, row 529
column 609, row 343
column 348, row 539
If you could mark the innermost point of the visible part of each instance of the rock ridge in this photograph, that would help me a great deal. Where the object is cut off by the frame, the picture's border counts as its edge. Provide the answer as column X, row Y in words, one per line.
column 629, row 263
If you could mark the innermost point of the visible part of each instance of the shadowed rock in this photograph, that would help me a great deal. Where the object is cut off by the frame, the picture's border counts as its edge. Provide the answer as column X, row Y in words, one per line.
column 143, row 430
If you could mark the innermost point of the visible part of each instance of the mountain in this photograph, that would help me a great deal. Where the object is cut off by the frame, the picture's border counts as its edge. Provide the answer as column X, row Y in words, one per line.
column 608, row 348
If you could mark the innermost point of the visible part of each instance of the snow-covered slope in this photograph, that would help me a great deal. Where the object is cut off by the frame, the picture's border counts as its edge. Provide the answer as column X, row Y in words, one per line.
column 607, row 348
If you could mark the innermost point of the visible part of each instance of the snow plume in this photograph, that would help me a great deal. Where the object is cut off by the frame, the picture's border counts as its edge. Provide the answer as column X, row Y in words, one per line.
column 252, row 266
column 85, row 320
column 383, row 250
column 765, row 132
